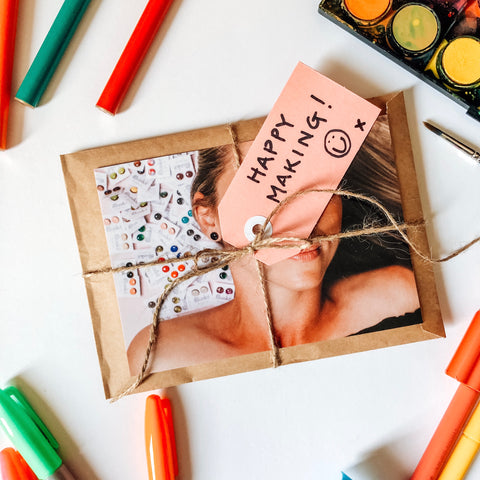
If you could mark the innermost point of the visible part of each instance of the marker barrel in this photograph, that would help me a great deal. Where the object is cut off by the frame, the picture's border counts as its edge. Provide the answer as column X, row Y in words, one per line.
column 160, row 446
column 51, row 52
column 465, row 450
column 133, row 55
column 14, row 467
column 465, row 367
column 446, row 434
column 8, row 28
column 462, row 365
column 19, row 423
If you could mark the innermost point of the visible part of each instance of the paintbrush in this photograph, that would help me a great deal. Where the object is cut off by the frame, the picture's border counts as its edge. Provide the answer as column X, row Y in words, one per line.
column 465, row 148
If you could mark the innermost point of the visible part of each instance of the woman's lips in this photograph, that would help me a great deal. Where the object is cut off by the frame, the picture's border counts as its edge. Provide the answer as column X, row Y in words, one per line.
column 308, row 254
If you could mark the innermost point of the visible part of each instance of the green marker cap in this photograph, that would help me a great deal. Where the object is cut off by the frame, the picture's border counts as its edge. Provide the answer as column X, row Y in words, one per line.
column 28, row 433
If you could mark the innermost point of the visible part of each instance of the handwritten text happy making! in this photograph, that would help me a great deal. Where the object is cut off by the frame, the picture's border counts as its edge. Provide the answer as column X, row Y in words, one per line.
column 277, row 134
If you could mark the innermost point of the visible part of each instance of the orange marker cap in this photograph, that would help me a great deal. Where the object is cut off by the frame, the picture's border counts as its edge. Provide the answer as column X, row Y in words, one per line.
column 160, row 439
column 465, row 364
column 14, row 467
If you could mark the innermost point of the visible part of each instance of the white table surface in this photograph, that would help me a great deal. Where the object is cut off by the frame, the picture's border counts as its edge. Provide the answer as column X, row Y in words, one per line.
column 216, row 61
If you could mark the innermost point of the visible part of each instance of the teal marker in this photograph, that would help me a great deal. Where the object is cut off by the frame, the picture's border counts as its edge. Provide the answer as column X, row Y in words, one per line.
column 53, row 47
column 30, row 436
column 345, row 476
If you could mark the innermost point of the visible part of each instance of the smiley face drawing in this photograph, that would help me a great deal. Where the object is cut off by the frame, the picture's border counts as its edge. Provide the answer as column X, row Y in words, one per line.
column 337, row 143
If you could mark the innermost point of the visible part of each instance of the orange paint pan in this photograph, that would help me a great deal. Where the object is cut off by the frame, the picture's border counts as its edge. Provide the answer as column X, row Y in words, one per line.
column 367, row 10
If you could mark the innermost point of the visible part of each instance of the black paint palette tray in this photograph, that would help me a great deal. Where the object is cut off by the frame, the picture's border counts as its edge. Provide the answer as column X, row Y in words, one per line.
column 438, row 41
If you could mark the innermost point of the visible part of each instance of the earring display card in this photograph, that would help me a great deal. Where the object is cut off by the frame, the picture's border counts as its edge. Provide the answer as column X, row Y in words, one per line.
column 147, row 216
column 131, row 204
column 436, row 40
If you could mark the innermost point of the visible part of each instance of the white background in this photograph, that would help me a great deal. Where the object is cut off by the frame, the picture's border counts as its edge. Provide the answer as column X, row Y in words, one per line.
column 216, row 61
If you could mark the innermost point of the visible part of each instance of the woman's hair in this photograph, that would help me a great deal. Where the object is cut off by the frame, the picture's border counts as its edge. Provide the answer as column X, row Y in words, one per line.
column 372, row 173
column 211, row 165
column 373, row 170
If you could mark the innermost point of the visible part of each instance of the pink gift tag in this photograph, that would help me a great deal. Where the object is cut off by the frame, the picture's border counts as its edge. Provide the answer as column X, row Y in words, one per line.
column 308, row 140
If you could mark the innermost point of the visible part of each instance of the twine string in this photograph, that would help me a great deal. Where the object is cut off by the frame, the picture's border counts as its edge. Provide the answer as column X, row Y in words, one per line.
column 396, row 226
column 274, row 350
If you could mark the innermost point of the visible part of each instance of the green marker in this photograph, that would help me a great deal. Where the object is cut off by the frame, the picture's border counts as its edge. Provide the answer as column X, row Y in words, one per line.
column 30, row 436
column 53, row 47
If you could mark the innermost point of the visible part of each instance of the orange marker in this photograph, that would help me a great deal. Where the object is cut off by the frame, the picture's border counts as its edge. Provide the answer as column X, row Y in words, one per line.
column 160, row 439
column 465, row 367
column 133, row 54
column 14, row 467
column 8, row 28
column 463, row 363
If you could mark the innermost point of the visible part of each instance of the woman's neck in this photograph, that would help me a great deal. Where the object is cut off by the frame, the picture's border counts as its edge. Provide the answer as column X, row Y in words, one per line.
column 295, row 314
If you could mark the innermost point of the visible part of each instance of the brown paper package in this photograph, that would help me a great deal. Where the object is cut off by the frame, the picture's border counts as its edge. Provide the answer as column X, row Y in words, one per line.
column 87, row 219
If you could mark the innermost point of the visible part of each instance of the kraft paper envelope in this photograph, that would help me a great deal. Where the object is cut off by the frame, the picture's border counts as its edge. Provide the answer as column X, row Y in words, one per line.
column 105, row 304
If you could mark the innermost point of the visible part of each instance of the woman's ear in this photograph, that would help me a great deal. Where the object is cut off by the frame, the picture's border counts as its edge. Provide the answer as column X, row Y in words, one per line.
column 205, row 215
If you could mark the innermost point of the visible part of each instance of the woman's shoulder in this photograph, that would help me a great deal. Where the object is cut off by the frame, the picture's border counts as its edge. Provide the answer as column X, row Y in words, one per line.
column 180, row 342
column 394, row 279
column 389, row 277
column 171, row 334
column 377, row 294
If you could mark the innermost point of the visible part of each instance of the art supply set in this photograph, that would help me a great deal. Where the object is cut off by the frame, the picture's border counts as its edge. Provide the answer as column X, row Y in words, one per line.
column 133, row 209
column 437, row 40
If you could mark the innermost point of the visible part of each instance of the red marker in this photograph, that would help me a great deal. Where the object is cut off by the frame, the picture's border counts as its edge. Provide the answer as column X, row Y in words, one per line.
column 160, row 439
column 133, row 55
column 8, row 28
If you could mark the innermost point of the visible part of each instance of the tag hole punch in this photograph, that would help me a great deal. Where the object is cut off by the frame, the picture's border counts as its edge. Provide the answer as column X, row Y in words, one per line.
column 254, row 225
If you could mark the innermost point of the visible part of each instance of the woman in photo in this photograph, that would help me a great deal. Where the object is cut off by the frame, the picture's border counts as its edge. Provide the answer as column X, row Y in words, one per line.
column 331, row 290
